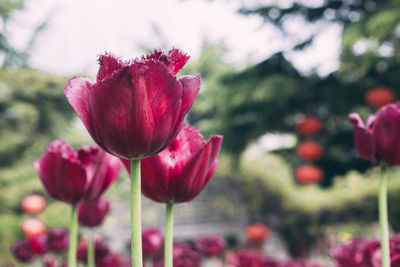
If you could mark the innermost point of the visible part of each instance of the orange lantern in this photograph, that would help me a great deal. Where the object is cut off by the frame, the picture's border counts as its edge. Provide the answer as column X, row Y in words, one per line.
column 309, row 174
column 309, row 125
column 257, row 232
column 309, row 151
column 33, row 226
column 379, row 96
column 33, row 203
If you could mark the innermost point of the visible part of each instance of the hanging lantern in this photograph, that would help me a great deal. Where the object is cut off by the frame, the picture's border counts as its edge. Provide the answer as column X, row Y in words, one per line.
column 309, row 174
column 33, row 226
column 309, row 151
column 379, row 96
column 33, row 204
column 309, row 125
column 257, row 232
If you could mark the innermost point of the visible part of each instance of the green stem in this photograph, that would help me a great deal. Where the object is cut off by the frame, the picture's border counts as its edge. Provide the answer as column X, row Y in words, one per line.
column 136, row 228
column 383, row 218
column 73, row 237
column 169, row 236
column 91, row 249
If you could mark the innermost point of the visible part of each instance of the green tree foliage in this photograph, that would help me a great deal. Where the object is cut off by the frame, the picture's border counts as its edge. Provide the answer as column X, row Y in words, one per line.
column 269, row 96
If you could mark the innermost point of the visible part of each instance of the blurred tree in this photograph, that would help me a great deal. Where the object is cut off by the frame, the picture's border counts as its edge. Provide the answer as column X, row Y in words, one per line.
column 270, row 96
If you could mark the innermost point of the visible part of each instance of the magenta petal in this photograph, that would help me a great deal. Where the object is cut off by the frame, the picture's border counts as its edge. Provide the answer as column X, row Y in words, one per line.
column 78, row 92
column 196, row 174
column 363, row 138
column 93, row 213
column 136, row 109
column 102, row 169
column 61, row 173
column 386, row 130
column 155, row 177
column 178, row 59
column 108, row 64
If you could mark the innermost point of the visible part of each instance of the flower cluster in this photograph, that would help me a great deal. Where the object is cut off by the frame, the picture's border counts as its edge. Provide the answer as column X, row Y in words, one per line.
column 362, row 252
column 56, row 240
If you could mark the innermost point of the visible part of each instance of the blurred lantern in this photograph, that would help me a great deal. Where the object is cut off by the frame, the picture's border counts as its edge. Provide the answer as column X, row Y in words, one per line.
column 309, row 174
column 379, row 96
column 257, row 232
column 309, row 151
column 33, row 203
column 33, row 226
column 309, row 125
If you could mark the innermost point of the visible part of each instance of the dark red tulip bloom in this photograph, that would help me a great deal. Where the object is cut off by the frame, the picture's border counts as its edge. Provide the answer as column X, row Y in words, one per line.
column 247, row 258
column 93, row 213
column 71, row 177
column 379, row 139
column 101, row 250
column 111, row 260
column 184, row 255
column 39, row 244
column 23, row 251
column 376, row 253
column 210, row 246
column 58, row 239
column 152, row 242
column 356, row 252
column 136, row 108
column 180, row 172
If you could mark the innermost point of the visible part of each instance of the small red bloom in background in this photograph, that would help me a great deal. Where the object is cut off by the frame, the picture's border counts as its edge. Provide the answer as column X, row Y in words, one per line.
column 257, row 232
column 33, row 226
column 246, row 258
column 309, row 151
column 152, row 240
column 309, row 125
column 210, row 246
column 309, row 174
column 39, row 244
column 71, row 177
column 356, row 252
column 58, row 239
column 136, row 108
column 23, row 251
column 93, row 213
column 379, row 139
column 379, row 96
column 181, row 171
column 49, row 261
column 33, row 203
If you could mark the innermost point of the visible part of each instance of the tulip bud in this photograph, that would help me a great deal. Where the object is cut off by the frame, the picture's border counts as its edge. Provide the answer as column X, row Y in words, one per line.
column 92, row 214
column 58, row 239
column 23, row 251
column 210, row 246
column 152, row 240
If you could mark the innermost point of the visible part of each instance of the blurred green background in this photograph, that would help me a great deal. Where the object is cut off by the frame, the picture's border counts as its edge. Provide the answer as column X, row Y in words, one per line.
column 261, row 100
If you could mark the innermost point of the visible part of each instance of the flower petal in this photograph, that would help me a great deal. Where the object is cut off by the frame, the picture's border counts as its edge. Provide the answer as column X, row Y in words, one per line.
column 102, row 169
column 155, row 177
column 196, row 172
column 386, row 130
column 363, row 138
column 136, row 109
column 63, row 177
column 191, row 88
column 108, row 65
column 178, row 59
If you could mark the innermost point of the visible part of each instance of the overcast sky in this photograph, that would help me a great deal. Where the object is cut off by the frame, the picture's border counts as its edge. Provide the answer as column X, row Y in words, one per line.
column 79, row 30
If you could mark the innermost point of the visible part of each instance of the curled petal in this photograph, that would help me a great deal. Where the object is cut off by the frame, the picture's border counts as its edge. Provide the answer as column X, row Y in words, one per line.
column 108, row 65
column 386, row 131
column 363, row 138
column 196, row 174
column 178, row 59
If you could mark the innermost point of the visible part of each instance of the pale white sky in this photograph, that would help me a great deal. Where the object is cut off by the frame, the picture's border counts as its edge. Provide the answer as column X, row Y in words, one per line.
column 79, row 30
